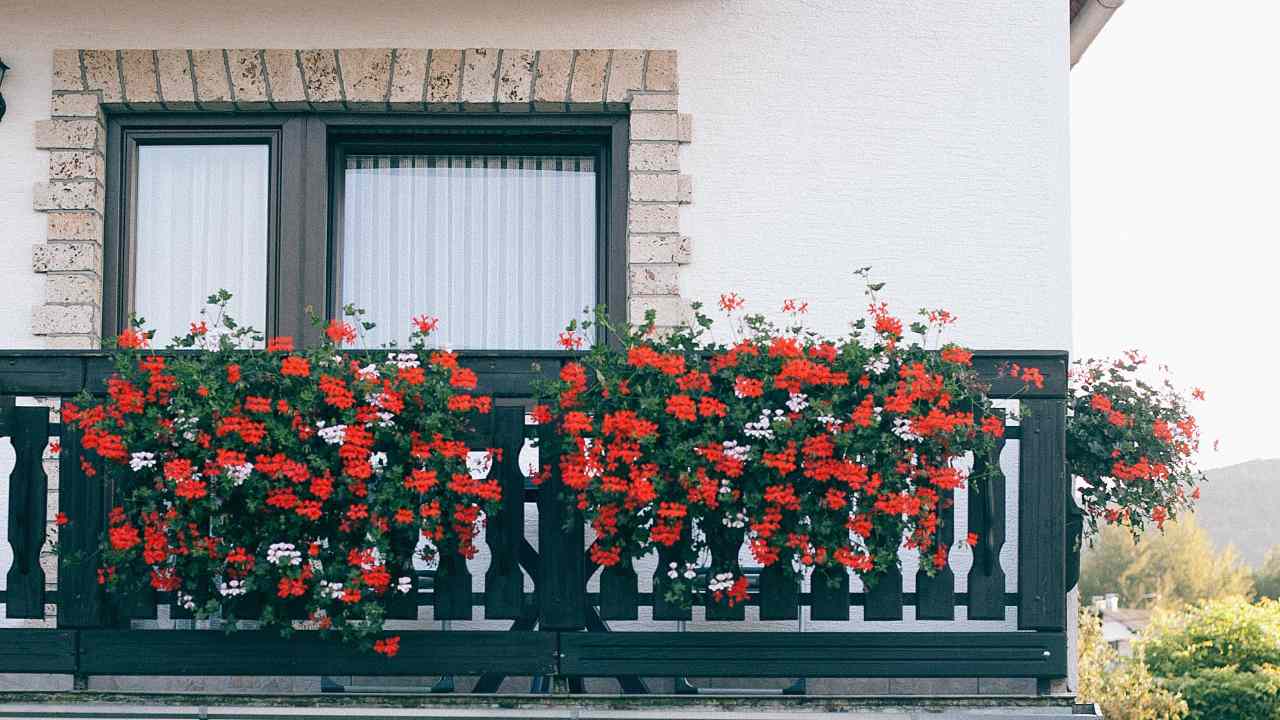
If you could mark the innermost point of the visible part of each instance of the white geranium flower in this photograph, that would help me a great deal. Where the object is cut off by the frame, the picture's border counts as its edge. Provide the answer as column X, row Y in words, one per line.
column 140, row 460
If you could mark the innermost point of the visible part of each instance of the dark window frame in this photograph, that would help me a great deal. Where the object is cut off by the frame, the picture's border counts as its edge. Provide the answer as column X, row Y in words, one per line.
column 305, row 150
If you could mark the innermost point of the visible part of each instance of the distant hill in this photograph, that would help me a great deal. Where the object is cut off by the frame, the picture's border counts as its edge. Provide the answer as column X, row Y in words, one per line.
column 1240, row 506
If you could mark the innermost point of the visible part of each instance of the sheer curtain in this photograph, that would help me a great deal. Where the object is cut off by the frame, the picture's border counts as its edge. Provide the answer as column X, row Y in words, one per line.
column 200, row 225
column 501, row 248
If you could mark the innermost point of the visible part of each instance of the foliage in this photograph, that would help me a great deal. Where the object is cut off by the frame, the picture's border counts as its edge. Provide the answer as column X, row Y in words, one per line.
column 1122, row 687
column 1266, row 580
column 1130, row 444
column 303, row 478
column 1172, row 567
column 1217, row 693
column 820, row 453
column 1221, row 633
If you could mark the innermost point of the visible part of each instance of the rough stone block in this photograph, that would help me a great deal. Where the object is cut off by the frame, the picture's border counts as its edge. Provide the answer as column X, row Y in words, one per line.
column 285, row 78
column 479, row 77
column 444, row 79
column 74, row 226
column 72, row 289
column 668, row 309
column 408, row 79
column 658, row 218
column 626, row 74
column 654, row 157
column 139, row 70
column 320, row 77
column 654, row 101
column 64, row 320
column 654, row 187
column 76, row 164
column 68, row 134
column 366, row 74
column 101, row 74
column 684, row 189
column 176, row 88
column 248, row 79
column 654, row 126
column 66, row 70
column 653, row 279
column 669, row 248
column 65, row 257
column 551, row 86
column 213, row 89
column 515, row 80
column 73, row 342
column 73, row 195
column 660, row 74
column 590, row 68
column 74, row 105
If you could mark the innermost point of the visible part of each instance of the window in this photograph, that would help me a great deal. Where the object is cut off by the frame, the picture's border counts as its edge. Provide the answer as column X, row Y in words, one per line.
column 505, row 227
column 201, row 224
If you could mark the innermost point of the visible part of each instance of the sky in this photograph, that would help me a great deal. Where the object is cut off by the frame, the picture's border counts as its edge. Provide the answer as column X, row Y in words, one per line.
column 1175, row 191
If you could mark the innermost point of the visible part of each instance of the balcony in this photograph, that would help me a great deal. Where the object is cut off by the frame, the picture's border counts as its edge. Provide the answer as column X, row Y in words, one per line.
column 552, row 621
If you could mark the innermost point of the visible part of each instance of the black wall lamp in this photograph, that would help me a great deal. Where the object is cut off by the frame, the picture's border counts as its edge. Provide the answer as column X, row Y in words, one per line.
column 3, row 69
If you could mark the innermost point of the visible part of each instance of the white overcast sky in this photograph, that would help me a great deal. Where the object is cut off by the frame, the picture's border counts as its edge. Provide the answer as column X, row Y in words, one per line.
column 1175, row 132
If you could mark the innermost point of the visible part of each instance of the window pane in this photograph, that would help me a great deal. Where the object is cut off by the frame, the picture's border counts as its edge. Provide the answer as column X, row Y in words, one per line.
column 501, row 248
column 201, row 225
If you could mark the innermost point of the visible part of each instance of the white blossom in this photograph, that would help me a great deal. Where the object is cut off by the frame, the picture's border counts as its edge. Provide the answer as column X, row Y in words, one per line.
column 404, row 585
column 333, row 434
column 798, row 402
column 902, row 428
column 283, row 553
column 239, row 473
column 379, row 461
column 140, row 460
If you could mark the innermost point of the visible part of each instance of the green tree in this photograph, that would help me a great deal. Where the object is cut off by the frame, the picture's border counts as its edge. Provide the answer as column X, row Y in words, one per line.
column 1266, row 579
column 1172, row 568
column 1122, row 687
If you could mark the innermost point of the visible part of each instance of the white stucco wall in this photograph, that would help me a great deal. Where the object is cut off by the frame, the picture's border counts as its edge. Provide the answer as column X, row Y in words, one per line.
column 926, row 139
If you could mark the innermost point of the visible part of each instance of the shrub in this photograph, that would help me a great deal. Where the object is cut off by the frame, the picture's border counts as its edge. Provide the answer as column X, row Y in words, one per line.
column 1225, row 692
column 1221, row 633
column 1122, row 687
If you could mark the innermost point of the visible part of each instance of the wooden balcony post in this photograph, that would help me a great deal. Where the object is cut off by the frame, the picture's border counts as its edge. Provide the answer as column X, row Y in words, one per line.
column 1042, row 516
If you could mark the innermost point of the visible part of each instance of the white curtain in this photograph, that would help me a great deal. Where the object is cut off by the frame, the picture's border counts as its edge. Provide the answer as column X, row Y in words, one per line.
column 201, row 225
column 501, row 248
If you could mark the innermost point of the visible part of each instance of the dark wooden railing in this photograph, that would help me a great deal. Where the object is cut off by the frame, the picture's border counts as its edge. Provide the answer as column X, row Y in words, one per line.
column 560, row 629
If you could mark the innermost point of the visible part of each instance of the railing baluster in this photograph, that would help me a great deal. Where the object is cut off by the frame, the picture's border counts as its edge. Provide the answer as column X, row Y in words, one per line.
column 726, row 545
column 1042, row 516
column 829, row 593
column 562, row 582
column 80, row 600
column 986, row 520
column 936, row 594
column 663, row 609
column 504, row 582
column 28, row 506
column 619, row 592
column 779, row 593
column 452, row 589
column 884, row 599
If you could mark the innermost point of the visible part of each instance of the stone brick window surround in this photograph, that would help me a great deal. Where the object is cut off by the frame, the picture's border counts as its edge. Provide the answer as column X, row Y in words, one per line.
column 89, row 83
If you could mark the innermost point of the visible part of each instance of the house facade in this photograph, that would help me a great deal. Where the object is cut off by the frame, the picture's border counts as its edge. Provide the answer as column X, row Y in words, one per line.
column 310, row 154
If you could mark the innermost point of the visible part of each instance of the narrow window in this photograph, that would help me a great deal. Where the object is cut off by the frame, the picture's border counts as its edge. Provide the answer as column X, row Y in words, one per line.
column 502, row 248
column 200, row 223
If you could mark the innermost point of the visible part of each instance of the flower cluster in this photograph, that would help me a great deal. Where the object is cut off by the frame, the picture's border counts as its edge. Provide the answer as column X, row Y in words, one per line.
column 1131, row 443
column 305, row 480
column 815, row 452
